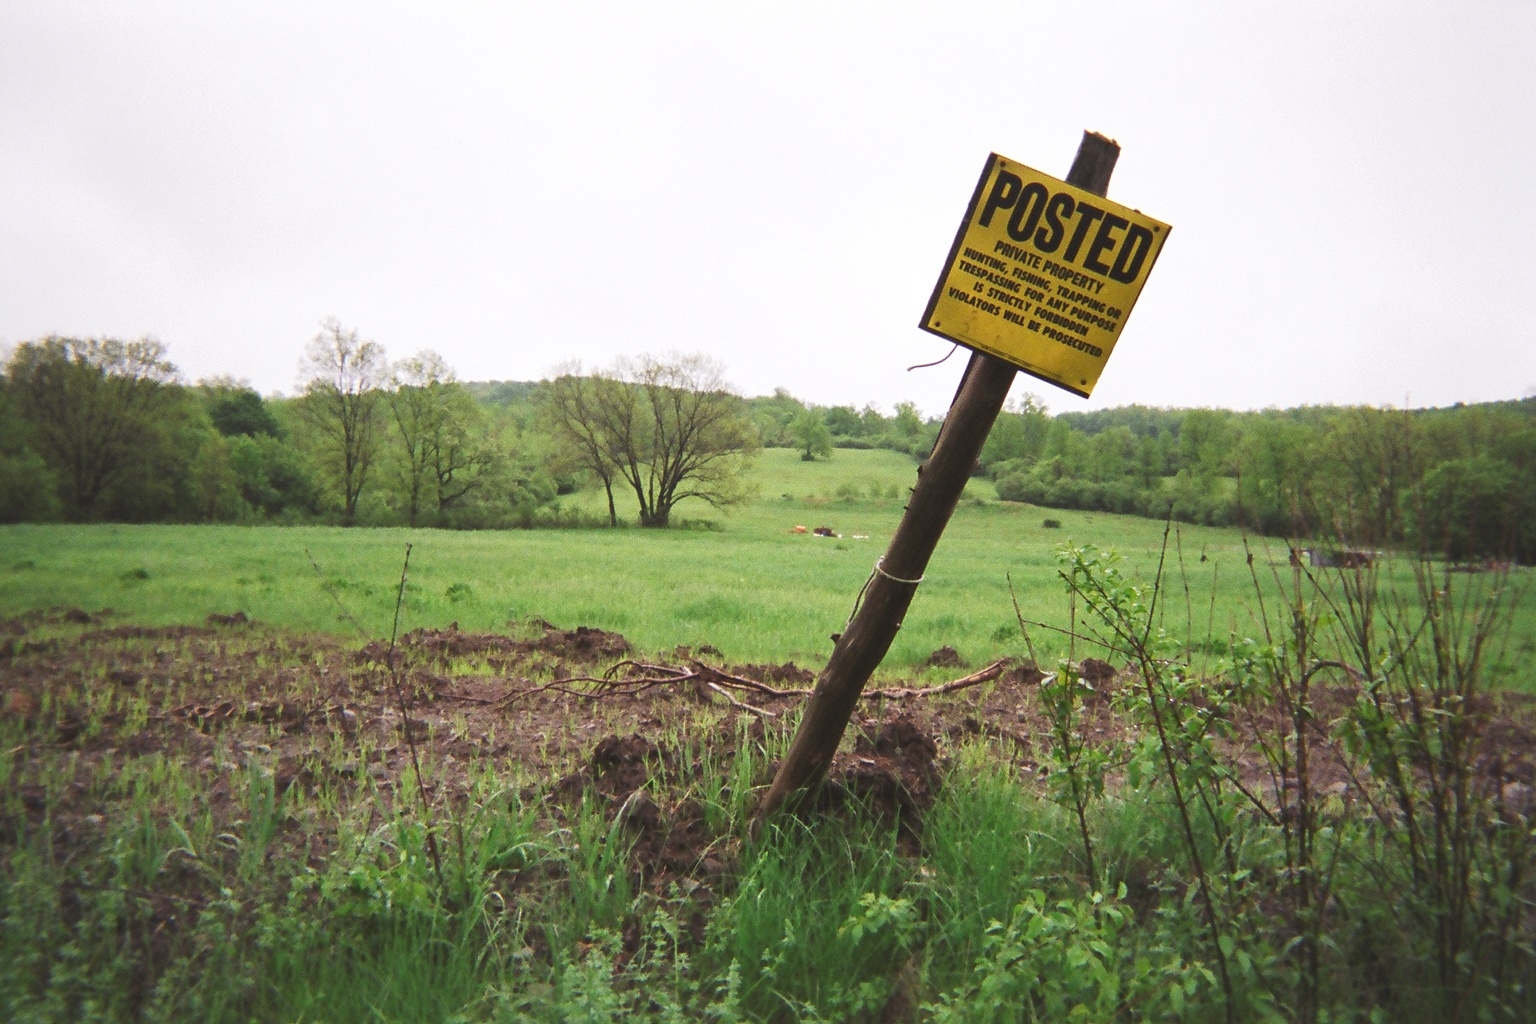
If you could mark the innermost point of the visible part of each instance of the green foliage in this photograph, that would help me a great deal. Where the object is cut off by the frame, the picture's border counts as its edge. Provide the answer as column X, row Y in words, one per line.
column 815, row 923
column 811, row 435
column 1452, row 480
column 28, row 488
column 442, row 454
column 273, row 477
column 1180, row 719
column 666, row 430
column 987, row 838
column 341, row 410
column 1048, row 960
column 237, row 411
column 104, row 416
column 1456, row 482
column 1017, row 437
column 783, row 421
column 1074, row 768
column 1451, row 845
column 772, row 415
column 1478, row 508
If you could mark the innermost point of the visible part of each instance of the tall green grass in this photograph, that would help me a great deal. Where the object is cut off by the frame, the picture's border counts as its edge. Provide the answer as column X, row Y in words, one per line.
column 539, row 919
column 748, row 585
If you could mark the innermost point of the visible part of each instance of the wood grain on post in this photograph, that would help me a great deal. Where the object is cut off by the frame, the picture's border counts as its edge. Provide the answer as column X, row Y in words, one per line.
column 940, row 482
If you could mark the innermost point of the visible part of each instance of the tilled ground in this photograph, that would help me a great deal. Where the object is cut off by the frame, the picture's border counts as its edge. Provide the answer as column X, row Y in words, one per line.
column 564, row 712
column 538, row 701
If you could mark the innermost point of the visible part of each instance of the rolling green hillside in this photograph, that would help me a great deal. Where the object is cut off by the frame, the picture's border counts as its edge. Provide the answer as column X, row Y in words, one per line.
column 743, row 580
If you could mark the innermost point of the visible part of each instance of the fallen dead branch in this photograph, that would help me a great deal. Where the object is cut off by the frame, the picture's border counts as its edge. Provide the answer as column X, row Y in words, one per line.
column 745, row 683
column 987, row 674
column 760, row 712
column 648, row 676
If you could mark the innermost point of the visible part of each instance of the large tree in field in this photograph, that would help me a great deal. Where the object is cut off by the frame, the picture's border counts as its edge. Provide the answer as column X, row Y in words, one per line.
column 442, row 455
column 670, row 429
column 577, row 409
column 812, row 435
column 92, row 405
column 342, row 376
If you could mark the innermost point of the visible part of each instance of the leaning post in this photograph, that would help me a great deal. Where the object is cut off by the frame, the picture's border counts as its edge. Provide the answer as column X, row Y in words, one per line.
column 940, row 482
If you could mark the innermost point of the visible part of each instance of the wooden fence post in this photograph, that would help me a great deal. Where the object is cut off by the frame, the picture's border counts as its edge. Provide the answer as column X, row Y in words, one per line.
column 940, row 482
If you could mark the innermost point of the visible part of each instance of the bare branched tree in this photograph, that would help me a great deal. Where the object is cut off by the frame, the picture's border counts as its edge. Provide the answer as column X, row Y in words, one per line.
column 577, row 407
column 435, row 423
column 670, row 429
column 462, row 456
column 341, row 376
column 416, row 406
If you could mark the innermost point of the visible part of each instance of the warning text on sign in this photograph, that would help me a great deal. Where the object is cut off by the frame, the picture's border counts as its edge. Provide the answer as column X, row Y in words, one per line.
column 1043, row 274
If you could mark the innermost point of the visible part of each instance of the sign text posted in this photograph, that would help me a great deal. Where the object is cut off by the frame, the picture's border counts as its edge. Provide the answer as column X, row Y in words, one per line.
column 1043, row 274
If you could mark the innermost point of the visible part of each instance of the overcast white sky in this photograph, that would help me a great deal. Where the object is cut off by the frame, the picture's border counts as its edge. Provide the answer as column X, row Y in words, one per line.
column 1350, row 185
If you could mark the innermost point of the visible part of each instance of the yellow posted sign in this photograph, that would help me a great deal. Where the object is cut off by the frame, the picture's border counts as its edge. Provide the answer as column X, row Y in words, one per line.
column 1043, row 274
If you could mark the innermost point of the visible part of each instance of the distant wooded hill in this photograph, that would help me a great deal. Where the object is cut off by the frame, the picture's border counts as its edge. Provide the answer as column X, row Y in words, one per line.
column 103, row 430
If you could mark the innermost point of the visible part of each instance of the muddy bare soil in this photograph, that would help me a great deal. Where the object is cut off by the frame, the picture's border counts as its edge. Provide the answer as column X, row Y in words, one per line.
column 541, row 700
column 573, row 714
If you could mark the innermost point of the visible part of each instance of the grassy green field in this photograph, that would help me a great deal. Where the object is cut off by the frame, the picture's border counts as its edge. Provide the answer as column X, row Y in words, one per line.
column 236, row 824
column 742, row 580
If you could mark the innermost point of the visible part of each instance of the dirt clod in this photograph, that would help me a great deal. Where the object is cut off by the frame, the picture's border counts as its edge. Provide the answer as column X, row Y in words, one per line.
column 585, row 644
column 640, row 811
column 618, row 764
column 18, row 704
column 901, row 740
column 786, row 674
column 945, row 657
column 1025, row 674
column 893, row 771
column 1095, row 671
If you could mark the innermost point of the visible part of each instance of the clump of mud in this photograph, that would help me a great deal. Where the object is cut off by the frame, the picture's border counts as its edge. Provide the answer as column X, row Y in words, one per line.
column 788, row 673
column 1096, row 672
column 619, row 764
column 584, row 644
column 1024, row 674
column 672, row 843
column 945, row 657
column 893, row 773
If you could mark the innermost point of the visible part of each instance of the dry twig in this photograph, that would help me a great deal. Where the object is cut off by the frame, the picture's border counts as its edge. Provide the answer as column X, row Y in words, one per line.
column 987, row 674
column 609, row 684
column 722, row 691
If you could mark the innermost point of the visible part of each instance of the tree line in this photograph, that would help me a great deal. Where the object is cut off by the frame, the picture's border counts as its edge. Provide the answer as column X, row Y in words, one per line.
column 107, row 430
column 1460, row 481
